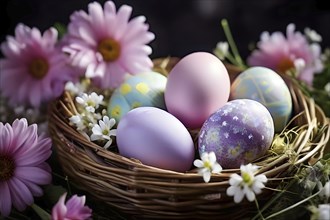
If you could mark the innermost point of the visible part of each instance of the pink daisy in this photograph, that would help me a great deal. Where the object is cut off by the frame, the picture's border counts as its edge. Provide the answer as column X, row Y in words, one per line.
column 282, row 53
column 34, row 70
column 73, row 209
column 23, row 168
column 106, row 45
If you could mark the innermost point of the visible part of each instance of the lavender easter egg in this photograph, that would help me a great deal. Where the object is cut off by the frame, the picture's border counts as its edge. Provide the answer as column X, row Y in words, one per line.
column 238, row 133
column 267, row 87
column 156, row 138
column 197, row 86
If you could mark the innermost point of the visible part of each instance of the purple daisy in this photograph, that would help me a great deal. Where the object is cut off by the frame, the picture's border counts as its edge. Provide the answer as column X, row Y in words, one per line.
column 282, row 53
column 106, row 45
column 23, row 168
column 34, row 69
column 73, row 209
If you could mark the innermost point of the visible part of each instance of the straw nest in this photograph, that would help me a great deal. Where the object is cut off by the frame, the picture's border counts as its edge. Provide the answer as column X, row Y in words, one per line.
column 145, row 192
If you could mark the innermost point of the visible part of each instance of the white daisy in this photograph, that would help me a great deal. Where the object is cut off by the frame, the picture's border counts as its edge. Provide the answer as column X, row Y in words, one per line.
column 103, row 131
column 207, row 165
column 90, row 102
column 246, row 184
column 222, row 50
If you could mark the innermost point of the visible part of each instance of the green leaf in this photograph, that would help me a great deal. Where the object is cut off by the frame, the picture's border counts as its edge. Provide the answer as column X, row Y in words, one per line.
column 42, row 213
column 61, row 28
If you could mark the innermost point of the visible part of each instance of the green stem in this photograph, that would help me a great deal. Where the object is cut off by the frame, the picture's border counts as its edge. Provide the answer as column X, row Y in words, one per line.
column 259, row 212
column 293, row 206
column 278, row 195
column 68, row 185
column 231, row 43
column 228, row 56
column 41, row 212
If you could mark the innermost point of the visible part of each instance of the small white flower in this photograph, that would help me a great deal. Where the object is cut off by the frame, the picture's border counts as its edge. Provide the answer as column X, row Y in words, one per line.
column 312, row 35
column 207, row 165
column 90, row 102
column 222, row 50
column 75, row 88
column 247, row 184
column 103, row 131
column 78, row 121
column 325, row 191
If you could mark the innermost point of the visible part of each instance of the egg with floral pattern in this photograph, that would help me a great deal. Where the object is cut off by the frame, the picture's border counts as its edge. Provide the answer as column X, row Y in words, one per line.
column 238, row 133
column 267, row 87
column 145, row 89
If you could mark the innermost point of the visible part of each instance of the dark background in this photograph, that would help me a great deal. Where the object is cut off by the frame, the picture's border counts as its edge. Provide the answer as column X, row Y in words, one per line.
column 185, row 26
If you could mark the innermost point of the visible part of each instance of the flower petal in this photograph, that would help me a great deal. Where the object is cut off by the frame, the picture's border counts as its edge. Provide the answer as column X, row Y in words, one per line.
column 6, row 199
column 235, row 179
column 198, row 163
column 216, row 168
column 238, row 197
column 249, row 193
column 59, row 210
column 34, row 175
column 212, row 157
column 21, row 195
column 207, row 176
column 6, row 137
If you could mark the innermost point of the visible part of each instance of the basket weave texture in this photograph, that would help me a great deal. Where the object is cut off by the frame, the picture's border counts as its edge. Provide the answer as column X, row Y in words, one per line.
column 145, row 192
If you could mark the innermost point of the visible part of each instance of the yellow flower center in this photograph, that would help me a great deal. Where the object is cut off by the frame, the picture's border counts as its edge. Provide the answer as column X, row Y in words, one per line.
column 207, row 165
column 247, row 178
column 105, row 132
column 7, row 167
column 90, row 103
column 38, row 68
column 285, row 65
column 109, row 48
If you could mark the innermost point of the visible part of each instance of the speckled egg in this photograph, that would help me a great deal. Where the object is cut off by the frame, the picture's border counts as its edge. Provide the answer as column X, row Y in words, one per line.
column 238, row 133
column 197, row 86
column 267, row 87
column 156, row 138
column 145, row 89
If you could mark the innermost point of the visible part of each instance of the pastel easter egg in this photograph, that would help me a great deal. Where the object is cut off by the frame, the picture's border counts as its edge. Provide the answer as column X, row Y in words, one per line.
column 238, row 133
column 267, row 87
column 145, row 89
column 156, row 138
column 197, row 86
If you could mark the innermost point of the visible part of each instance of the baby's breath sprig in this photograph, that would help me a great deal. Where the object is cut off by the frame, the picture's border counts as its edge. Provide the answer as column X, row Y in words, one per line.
column 91, row 119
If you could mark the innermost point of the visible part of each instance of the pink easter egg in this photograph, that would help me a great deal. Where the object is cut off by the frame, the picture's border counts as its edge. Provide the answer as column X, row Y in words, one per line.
column 197, row 86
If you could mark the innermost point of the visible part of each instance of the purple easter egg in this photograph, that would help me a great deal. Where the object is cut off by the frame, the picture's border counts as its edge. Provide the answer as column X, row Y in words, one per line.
column 156, row 138
column 238, row 133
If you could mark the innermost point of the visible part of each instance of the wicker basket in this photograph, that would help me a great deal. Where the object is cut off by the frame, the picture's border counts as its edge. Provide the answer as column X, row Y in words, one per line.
column 145, row 192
